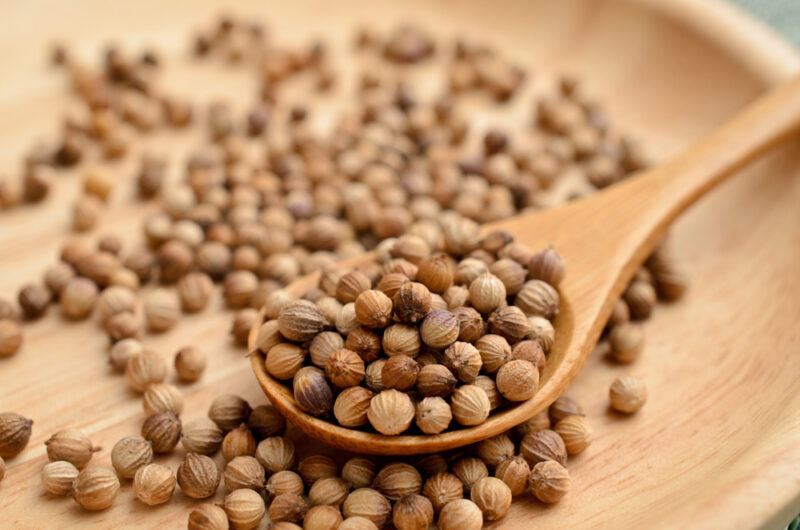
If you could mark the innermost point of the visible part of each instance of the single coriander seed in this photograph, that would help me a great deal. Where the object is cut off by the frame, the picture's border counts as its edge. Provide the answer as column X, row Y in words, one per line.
column 245, row 509
column 15, row 431
column 198, row 476
column 627, row 394
column 460, row 514
column 58, row 477
column 129, row 454
column 492, row 496
column 549, row 481
column 154, row 484
column 208, row 517
column 71, row 446
column 95, row 488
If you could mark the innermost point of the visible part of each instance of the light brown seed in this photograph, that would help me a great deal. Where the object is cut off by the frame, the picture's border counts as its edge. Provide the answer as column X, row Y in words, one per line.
column 442, row 488
column 369, row 504
column 72, row 446
column 492, row 496
column 538, row 446
column 391, row 412
column 154, row 484
column 95, row 488
column 229, row 411
column 162, row 430
column 129, row 454
column 549, row 481
column 208, row 517
column 627, row 394
column 460, row 514
column 58, row 477
column 514, row 472
column 201, row 435
column 198, row 476
column 244, row 472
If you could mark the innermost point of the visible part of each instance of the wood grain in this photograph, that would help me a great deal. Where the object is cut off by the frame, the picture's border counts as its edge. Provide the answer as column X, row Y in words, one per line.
column 717, row 446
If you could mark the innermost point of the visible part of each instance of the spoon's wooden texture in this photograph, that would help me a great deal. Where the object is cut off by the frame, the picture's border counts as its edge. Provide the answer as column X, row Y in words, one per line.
column 718, row 444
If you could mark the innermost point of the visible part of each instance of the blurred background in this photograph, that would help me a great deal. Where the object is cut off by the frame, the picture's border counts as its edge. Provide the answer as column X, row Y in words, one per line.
column 783, row 15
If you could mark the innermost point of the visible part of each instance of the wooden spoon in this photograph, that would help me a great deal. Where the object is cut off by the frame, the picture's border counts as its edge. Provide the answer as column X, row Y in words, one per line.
column 604, row 239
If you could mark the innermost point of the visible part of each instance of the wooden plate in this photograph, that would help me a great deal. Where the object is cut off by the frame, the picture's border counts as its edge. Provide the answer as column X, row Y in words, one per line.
column 718, row 446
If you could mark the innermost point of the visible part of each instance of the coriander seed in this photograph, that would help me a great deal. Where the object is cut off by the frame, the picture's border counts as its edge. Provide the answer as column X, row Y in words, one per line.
column 549, row 481
column 238, row 442
column 400, row 372
column 162, row 430
column 162, row 397
column 329, row 491
column 537, row 298
column 208, row 517
column 487, row 293
column 201, row 435
column 301, row 320
column 433, row 415
column 470, row 405
column 460, row 514
column 78, row 298
column 312, row 392
column 351, row 405
column 345, row 368
column 492, row 496
column 359, row 472
column 439, row 329
column 442, row 488
column 390, row 412
column 494, row 352
column 58, row 477
column 15, row 431
column 539, row 446
column 396, row 480
column 514, row 472
column 626, row 341
column 411, row 302
column 322, row 517
column 412, row 512
column 244, row 472
column 229, row 411
column 95, row 488
column 10, row 337
column 276, row 453
column 284, row 360
column 198, row 476
column 464, row 360
column 154, row 484
column 495, row 450
column 245, row 509
column 470, row 470
column 548, row 266
column 321, row 347
column 285, row 482
column 71, row 446
column 435, row 380
column 287, row 507
column 190, row 363
column 266, row 421
column 130, row 454
column 627, row 394
column 145, row 369
column 564, row 407
column 373, row 309
column 518, row 380
column 162, row 309
column 575, row 432
column 367, row 503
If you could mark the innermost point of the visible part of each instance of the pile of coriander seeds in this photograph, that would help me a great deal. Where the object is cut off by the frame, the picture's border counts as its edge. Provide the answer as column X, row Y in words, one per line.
column 268, row 197
column 419, row 336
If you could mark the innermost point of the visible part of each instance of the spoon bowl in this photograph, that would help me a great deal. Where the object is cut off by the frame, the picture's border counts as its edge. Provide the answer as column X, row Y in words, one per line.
column 604, row 239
